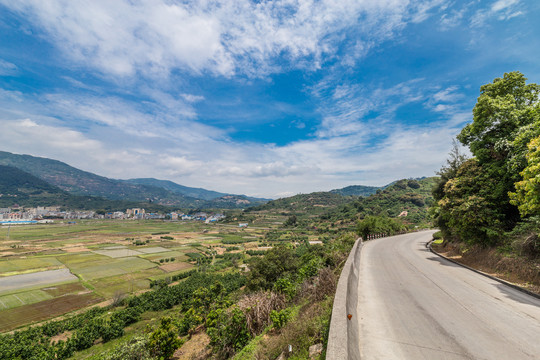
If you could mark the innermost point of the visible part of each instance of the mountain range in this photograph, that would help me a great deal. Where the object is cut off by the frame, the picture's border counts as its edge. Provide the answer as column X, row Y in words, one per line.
column 82, row 183
column 31, row 181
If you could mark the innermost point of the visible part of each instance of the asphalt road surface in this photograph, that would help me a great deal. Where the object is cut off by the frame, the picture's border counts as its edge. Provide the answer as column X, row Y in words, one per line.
column 413, row 304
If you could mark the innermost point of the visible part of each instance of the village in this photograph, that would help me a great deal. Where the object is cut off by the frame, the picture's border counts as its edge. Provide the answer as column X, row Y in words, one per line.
column 44, row 214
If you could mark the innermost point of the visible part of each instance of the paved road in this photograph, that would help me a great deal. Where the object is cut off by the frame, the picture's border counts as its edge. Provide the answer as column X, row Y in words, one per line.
column 413, row 304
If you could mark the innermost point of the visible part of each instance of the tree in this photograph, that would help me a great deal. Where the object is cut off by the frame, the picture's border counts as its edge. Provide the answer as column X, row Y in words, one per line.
column 291, row 221
column 503, row 107
column 378, row 224
column 527, row 194
column 504, row 120
column 277, row 262
column 468, row 209
column 164, row 340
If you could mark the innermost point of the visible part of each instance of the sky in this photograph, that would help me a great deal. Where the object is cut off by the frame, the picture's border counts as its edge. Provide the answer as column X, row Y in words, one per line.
column 263, row 98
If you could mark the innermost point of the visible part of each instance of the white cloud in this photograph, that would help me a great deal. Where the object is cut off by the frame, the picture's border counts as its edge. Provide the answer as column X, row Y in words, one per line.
column 503, row 4
column 344, row 107
column 7, row 68
column 222, row 37
column 501, row 10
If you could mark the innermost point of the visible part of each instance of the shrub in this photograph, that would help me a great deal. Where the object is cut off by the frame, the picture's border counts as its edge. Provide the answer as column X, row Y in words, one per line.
column 280, row 318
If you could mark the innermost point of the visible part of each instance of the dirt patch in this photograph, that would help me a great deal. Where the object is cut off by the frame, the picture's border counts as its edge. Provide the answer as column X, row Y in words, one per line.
column 174, row 266
column 63, row 336
column 194, row 348
column 76, row 249
column 71, row 288
column 517, row 270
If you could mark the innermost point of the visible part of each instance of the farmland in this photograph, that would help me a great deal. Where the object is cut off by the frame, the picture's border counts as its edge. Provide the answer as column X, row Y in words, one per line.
column 47, row 270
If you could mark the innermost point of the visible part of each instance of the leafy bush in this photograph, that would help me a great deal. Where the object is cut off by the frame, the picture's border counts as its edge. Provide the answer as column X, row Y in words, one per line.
column 280, row 318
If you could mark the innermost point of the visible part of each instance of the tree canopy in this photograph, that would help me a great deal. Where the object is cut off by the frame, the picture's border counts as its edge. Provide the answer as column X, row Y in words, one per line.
column 477, row 199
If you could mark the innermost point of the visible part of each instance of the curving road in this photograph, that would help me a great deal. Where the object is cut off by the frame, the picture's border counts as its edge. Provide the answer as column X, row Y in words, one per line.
column 413, row 304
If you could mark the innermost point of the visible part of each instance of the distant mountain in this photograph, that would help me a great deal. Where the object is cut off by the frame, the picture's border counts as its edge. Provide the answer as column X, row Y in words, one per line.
column 198, row 193
column 79, row 182
column 356, row 190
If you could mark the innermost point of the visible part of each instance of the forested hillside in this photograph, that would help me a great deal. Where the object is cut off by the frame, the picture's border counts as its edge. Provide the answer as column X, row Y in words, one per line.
column 21, row 188
column 408, row 197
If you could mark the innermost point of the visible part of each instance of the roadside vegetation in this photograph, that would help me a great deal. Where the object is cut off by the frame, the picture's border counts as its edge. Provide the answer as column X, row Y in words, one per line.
column 487, row 206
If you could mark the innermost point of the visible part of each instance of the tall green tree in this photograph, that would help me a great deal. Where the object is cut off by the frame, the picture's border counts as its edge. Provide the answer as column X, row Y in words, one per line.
column 505, row 118
column 468, row 211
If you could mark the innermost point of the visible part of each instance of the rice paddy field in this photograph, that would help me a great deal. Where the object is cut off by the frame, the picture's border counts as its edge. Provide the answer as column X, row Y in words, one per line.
column 47, row 270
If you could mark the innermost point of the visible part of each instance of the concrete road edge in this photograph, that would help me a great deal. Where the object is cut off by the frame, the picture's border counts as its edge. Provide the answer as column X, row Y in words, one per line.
column 343, row 345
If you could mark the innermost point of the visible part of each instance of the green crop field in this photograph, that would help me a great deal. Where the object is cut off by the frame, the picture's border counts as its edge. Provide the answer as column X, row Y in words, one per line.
column 113, row 267
column 125, row 283
column 23, row 298
column 10, row 267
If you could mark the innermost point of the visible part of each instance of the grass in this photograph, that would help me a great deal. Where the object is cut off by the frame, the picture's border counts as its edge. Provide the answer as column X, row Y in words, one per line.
column 177, row 255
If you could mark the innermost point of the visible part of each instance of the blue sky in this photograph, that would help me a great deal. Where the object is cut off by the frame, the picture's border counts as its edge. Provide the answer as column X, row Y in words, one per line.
column 265, row 98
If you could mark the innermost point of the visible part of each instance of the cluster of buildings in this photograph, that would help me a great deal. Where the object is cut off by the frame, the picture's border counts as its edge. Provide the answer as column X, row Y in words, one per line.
column 18, row 214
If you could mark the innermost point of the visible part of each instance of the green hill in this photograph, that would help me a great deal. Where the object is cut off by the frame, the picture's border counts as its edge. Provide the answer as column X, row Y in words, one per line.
column 198, row 193
column 408, row 195
column 313, row 203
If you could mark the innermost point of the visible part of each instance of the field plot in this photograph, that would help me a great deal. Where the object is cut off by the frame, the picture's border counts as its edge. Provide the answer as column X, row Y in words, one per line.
column 23, row 298
column 175, row 266
column 178, row 255
column 12, row 318
column 152, row 250
column 44, row 278
column 11, row 267
column 125, row 283
column 113, row 267
column 118, row 253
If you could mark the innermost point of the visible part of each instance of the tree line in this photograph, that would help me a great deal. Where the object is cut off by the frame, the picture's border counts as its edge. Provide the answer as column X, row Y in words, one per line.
column 493, row 196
